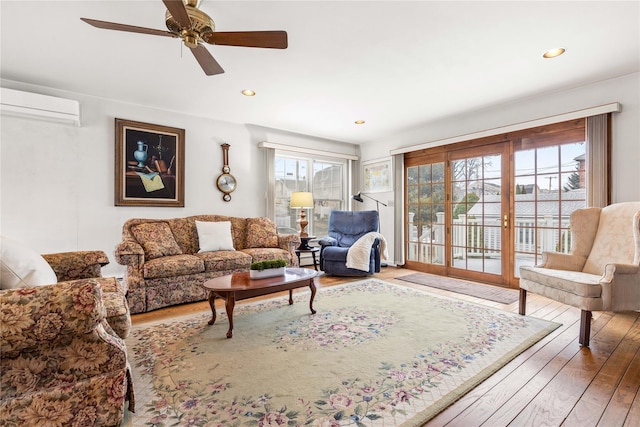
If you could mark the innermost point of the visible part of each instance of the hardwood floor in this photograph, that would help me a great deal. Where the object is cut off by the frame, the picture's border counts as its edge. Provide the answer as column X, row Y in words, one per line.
column 553, row 383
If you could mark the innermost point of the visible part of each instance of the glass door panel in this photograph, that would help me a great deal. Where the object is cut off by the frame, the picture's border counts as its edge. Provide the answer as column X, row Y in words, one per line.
column 549, row 185
column 425, row 213
column 477, row 212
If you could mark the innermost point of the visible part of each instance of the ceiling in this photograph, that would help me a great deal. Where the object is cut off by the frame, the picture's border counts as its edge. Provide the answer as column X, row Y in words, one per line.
column 396, row 65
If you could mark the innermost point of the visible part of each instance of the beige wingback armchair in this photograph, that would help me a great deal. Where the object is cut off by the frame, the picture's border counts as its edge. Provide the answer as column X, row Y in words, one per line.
column 602, row 272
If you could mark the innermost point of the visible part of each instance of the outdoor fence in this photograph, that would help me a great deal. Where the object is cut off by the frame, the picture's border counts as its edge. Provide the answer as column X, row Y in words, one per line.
column 471, row 238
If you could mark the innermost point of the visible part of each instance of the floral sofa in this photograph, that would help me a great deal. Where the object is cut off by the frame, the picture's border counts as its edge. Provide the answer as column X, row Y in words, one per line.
column 168, row 260
column 62, row 364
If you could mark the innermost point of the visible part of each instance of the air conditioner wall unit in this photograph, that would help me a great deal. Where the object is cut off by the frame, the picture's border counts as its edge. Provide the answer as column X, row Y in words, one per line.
column 37, row 106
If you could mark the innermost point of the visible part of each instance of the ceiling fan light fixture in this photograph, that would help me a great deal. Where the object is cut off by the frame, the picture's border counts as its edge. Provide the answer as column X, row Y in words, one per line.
column 359, row 122
column 248, row 92
column 552, row 53
column 190, row 38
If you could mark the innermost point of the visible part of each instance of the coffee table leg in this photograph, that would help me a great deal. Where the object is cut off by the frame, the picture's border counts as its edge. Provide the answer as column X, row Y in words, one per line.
column 212, row 304
column 290, row 296
column 312, row 286
column 230, row 304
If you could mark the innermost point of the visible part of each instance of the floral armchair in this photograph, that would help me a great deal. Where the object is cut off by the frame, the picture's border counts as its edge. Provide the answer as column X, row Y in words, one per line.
column 61, row 362
column 21, row 265
column 88, row 264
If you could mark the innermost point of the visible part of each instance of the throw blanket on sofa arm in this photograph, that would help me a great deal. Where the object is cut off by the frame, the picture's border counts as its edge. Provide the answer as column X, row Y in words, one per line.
column 359, row 253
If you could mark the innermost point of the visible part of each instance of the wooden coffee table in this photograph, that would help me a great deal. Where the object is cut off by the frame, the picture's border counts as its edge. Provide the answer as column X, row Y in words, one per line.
column 239, row 286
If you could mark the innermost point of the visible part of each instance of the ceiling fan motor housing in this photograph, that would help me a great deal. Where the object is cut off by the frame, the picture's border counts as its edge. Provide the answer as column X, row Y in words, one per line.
column 201, row 23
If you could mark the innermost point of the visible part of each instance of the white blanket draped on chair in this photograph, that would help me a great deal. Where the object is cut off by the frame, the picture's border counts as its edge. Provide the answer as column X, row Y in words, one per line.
column 359, row 253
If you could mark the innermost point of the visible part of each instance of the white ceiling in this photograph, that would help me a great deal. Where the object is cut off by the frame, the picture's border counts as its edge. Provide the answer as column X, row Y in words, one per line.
column 395, row 64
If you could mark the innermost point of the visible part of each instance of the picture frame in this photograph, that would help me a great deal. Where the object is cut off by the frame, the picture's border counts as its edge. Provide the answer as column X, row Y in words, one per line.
column 149, row 164
column 377, row 176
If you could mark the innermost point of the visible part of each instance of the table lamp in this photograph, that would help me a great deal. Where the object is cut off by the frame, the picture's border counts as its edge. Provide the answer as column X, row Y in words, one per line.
column 302, row 200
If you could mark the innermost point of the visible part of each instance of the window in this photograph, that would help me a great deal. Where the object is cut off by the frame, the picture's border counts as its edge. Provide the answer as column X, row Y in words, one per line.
column 325, row 178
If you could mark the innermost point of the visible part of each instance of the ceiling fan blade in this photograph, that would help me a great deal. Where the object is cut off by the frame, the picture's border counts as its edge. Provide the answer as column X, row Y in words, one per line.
column 179, row 12
column 268, row 39
column 206, row 61
column 129, row 28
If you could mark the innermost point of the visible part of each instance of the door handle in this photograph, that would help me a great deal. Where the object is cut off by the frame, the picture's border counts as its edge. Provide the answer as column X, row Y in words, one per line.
column 505, row 221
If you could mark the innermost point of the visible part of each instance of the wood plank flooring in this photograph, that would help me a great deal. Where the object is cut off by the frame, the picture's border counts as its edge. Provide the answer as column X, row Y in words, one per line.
column 553, row 383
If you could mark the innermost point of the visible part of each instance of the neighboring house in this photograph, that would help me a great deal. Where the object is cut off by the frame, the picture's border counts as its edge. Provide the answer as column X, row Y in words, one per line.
column 547, row 205
column 483, row 188
column 582, row 171
column 537, row 219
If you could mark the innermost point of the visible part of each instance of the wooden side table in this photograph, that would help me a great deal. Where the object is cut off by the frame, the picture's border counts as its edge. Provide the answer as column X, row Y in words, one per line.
column 313, row 251
column 304, row 242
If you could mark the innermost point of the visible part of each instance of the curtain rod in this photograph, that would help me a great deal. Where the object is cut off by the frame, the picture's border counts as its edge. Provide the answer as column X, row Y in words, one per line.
column 293, row 148
column 587, row 112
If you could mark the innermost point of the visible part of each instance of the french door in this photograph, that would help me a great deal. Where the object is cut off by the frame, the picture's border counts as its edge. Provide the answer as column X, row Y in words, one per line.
column 480, row 210
column 458, row 214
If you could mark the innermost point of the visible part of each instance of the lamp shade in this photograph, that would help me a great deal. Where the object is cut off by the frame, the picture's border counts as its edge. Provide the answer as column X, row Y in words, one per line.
column 302, row 200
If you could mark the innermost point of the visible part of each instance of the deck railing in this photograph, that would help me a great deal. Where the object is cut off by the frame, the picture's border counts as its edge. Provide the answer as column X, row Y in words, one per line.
column 473, row 239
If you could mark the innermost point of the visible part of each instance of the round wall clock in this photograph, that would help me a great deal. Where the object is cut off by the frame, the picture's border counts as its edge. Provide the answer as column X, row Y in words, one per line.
column 225, row 181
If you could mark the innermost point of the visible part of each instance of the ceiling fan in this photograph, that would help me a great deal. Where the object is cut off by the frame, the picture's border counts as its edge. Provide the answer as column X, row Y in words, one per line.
column 193, row 26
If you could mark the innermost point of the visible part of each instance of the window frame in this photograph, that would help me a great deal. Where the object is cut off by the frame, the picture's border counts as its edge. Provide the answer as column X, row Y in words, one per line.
column 318, row 215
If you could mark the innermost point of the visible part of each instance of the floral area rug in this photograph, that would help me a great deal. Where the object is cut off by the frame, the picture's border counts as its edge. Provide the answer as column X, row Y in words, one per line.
column 375, row 354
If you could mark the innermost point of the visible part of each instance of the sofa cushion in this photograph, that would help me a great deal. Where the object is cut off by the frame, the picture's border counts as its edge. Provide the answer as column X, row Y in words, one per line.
column 261, row 233
column 225, row 260
column 572, row 282
column 214, row 236
column 172, row 266
column 156, row 239
column 21, row 266
column 263, row 254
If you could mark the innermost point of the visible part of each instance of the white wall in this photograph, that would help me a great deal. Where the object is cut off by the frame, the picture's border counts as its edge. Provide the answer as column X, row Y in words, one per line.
column 57, row 181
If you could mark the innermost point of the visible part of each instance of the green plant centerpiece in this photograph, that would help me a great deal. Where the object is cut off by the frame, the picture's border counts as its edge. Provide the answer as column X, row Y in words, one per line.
column 267, row 268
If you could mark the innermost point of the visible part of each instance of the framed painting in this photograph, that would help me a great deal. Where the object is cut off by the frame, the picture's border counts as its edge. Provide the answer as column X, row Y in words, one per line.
column 377, row 176
column 149, row 165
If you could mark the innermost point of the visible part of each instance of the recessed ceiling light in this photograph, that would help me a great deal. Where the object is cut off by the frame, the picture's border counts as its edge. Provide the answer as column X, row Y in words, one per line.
column 248, row 92
column 359, row 122
column 552, row 53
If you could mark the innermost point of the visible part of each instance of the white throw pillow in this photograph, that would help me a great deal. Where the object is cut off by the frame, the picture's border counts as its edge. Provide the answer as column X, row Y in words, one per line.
column 23, row 267
column 214, row 236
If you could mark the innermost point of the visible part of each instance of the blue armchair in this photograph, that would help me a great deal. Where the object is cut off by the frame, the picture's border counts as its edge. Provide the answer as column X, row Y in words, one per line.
column 345, row 228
